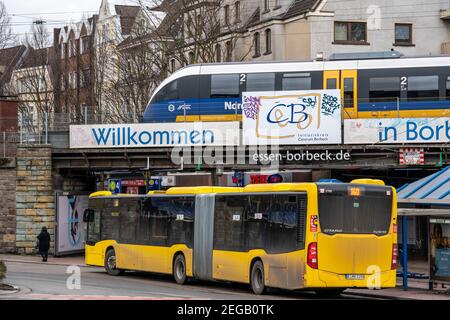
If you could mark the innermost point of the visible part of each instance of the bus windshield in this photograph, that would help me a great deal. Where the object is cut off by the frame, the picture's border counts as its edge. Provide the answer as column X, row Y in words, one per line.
column 354, row 209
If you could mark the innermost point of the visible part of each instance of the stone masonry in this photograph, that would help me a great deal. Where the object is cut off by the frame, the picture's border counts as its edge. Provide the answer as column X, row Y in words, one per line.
column 7, row 205
column 35, row 199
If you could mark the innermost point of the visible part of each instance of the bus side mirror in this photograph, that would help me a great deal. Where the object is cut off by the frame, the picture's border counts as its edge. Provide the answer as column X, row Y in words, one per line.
column 88, row 215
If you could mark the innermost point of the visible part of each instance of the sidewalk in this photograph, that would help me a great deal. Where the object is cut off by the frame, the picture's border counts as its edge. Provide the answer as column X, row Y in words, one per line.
column 77, row 260
column 417, row 288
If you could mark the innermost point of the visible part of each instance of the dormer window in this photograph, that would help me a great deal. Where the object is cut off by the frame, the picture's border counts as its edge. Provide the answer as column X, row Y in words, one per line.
column 266, row 6
column 237, row 11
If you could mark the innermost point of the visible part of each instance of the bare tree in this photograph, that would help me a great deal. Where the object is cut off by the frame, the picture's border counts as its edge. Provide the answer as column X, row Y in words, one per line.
column 6, row 35
column 194, row 31
column 33, row 80
column 187, row 32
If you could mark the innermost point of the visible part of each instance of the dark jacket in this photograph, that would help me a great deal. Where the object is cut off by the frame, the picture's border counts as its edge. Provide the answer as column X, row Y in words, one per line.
column 44, row 241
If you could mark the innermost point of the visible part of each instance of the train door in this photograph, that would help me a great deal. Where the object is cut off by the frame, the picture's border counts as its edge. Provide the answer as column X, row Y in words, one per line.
column 346, row 81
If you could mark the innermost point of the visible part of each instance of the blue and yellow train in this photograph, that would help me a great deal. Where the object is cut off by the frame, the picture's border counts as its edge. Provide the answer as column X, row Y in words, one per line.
column 371, row 88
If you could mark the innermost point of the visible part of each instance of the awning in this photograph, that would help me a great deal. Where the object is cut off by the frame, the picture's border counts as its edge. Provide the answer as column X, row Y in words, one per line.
column 433, row 190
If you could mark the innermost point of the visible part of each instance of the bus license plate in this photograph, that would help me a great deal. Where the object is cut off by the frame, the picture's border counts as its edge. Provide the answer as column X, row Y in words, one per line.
column 354, row 277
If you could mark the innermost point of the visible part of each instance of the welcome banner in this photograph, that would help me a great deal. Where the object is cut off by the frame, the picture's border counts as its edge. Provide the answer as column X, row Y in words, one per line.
column 147, row 135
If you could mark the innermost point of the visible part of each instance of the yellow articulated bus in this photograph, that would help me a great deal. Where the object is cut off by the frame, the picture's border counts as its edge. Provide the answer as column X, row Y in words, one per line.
column 319, row 236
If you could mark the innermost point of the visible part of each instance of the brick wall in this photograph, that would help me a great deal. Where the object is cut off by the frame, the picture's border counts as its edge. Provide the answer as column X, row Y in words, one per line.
column 8, row 206
column 35, row 199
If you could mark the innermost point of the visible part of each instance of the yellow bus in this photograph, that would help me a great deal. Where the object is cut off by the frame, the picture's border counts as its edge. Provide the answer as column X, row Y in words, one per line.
column 319, row 236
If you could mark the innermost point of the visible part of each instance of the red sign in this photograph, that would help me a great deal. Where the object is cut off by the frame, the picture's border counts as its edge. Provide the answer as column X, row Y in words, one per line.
column 132, row 190
column 412, row 156
column 133, row 183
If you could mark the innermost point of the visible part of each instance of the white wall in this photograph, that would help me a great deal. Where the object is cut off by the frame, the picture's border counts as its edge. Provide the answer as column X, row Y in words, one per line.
column 429, row 31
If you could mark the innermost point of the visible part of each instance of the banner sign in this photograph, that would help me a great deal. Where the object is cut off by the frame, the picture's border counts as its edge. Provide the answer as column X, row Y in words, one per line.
column 397, row 130
column 70, row 232
column 145, row 135
column 292, row 117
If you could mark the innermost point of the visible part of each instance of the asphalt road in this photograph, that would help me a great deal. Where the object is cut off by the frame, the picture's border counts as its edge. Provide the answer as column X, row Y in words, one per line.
column 40, row 281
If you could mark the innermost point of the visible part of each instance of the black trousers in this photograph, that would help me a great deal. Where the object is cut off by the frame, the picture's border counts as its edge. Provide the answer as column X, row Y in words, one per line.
column 44, row 255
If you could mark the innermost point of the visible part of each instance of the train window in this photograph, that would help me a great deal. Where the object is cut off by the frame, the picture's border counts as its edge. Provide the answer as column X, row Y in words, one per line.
column 296, row 81
column 423, row 87
column 348, row 92
column 188, row 87
column 447, row 88
column 168, row 92
column 260, row 81
column 332, row 83
column 384, row 89
column 172, row 90
column 225, row 85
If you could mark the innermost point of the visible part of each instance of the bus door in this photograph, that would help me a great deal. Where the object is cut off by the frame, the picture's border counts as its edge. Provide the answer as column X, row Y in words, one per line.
column 346, row 81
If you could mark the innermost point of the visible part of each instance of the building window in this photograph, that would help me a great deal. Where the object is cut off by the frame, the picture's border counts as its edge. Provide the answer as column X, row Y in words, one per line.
column 63, row 51
column 277, row 5
column 403, row 34
column 191, row 57
column 237, row 11
column 73, row 80
column 229, row 51
column 172, row 65
column 227, row 14
column 350, row 32
column 257, row 44
column 218, row 53
column 268, row 34
column 84, row 44
column 266, row 6
column 72, row 48
column 63, row 83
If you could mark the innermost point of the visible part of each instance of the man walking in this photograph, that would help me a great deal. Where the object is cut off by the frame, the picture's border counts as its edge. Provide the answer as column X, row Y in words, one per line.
column 44, row 243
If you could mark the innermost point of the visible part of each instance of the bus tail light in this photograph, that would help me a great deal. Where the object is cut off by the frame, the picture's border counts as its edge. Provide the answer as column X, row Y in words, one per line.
column 394, row 257
column 312, row 255
column 395, row 228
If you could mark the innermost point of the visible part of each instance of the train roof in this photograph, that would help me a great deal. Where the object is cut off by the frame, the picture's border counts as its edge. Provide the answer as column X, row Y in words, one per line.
column 345, row 62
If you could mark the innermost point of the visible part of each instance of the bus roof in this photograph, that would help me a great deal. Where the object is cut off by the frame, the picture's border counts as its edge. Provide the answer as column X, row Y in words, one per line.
column 252, row 188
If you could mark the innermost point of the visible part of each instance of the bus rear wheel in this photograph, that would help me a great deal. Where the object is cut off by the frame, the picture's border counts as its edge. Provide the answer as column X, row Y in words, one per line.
column 257, row 278
column 179, row 269
column 110, row 263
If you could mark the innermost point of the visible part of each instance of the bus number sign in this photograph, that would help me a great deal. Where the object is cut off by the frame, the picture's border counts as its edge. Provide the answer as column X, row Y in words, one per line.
column 180, row 216
column 236, row 217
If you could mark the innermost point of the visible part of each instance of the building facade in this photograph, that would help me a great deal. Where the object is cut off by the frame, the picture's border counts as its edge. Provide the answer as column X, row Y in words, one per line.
column 74, row 71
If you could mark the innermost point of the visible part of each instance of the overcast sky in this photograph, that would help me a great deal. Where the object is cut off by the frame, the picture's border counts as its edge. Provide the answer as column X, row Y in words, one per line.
column 55, row 12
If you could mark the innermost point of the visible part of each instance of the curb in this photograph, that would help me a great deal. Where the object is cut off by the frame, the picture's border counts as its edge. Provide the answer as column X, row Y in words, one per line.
column 374, row 295
column 46, row 263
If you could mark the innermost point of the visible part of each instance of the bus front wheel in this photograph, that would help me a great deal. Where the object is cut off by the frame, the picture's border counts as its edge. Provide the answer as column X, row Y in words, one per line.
column 179, row 269
column 257, row 278
column 110, row 263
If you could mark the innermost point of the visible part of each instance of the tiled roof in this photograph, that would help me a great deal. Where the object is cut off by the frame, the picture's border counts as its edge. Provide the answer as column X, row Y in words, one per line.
column 254, row 18
column 299, row 7
column 435, row 186
column 9, row 58
column 35, row 58
column 127, row 16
